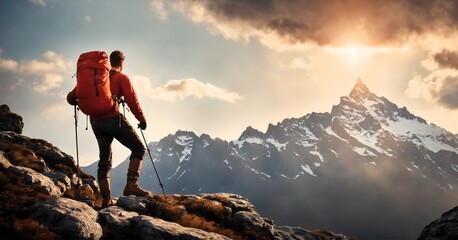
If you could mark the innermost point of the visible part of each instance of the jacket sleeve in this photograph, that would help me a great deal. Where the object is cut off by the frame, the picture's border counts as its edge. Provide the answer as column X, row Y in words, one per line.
column 127, row 90
column 71, row 97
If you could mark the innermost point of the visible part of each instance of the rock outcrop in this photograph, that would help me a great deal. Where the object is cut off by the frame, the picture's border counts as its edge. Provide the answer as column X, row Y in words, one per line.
column 43, row 195
column 70, row 218
column 444, row 228
column 10, row 121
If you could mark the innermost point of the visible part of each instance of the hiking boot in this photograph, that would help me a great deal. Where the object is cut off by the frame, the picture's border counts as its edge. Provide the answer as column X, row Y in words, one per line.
column 133, row 173
column 132, row 188
column 106, row 202
column 105, row 191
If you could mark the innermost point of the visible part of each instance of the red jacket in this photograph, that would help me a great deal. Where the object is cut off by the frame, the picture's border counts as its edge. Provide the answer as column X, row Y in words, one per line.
column 120, row 87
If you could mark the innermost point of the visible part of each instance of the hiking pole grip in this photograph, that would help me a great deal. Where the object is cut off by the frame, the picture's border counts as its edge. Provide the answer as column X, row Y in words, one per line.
column 154, row 166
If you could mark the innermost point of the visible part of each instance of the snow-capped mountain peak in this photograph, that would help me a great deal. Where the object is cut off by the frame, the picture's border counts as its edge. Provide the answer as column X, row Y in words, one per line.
column 359, row 90
column 370, row 119
column 366, row 146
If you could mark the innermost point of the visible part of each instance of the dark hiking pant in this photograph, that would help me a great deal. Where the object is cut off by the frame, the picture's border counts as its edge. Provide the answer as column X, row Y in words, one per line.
column 118, row 128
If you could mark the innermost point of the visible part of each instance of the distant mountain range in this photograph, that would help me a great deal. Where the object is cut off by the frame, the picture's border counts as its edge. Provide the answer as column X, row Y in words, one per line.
column 367, row 169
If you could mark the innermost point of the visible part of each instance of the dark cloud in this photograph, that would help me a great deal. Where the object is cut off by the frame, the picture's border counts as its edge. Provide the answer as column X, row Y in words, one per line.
column 447, row 59
column 332, row 22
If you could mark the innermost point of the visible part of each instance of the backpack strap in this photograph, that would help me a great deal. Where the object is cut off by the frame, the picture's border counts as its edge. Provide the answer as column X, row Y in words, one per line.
column 95, row 82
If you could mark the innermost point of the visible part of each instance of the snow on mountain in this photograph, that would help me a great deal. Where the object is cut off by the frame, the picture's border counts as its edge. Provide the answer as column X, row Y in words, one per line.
column 367, row 155
column 374, row 117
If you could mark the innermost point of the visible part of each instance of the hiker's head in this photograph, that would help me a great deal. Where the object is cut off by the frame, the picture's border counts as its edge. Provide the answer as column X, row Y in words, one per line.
column 117, row 58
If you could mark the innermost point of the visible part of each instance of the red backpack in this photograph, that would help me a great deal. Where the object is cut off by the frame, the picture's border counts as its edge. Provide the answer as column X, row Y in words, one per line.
column 93, row 83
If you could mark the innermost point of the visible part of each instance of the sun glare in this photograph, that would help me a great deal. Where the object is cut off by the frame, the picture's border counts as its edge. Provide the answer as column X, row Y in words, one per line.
column 355, row 54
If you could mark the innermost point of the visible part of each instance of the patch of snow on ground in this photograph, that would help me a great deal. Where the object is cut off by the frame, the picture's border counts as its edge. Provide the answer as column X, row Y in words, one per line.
column 186, row 142
column 422, row 134
column 370, row 139
column 363, row 151
column 181, row 175
column 265, row 174
column 278, row 145
column 253, row 140
column 186, row 154
column 306, row 143
column 335, row 153
column 176, row 171
column 227, row 163
column 318, row 154
column 455, row 167
column 308, row 169
column 284, row 176
column 183, row 140
column 329, row 131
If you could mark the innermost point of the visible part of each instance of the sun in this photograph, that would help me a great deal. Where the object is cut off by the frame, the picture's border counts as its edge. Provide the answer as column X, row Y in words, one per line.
column 355, row 54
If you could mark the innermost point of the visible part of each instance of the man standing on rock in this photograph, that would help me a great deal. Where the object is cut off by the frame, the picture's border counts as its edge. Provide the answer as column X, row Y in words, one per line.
column 113, row 125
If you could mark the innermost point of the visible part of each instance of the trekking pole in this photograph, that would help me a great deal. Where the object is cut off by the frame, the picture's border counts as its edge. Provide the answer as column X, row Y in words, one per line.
column 160, row 183
column 77, row 154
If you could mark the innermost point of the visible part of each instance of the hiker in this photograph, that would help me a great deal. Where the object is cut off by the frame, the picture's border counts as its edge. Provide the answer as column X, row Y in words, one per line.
column 113, row 125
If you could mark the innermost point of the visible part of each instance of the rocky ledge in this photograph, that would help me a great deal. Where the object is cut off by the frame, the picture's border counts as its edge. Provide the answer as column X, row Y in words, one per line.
column 43, row 195
column 444, row 228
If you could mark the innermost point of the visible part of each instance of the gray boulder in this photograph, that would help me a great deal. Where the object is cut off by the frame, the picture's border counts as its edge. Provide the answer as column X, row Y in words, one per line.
column 251, row 221
column 60, row 179
column 46, row 185
column 134, row 203
column 69, row 218
column 116, row 222
column 146, row 227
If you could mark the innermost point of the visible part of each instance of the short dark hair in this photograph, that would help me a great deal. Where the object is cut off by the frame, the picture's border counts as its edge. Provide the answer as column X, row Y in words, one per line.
column 116, row 57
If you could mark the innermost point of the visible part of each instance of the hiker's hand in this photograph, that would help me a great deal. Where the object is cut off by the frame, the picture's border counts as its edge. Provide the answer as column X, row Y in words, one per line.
column 73, row 101
column 142, row 125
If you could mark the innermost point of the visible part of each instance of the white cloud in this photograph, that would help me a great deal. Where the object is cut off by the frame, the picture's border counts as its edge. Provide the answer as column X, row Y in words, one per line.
column 8, row 65
column 51, row 81
column 88, row 19
column 38, row 2
column 47, row 72
column 180, row 89
column 439, row 87
column 158, row 7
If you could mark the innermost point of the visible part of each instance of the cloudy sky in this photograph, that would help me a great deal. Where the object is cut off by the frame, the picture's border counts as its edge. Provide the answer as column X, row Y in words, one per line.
column 218, row 66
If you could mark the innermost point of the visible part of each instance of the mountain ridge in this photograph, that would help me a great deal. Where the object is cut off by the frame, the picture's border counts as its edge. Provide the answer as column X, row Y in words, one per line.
column 365, row 146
